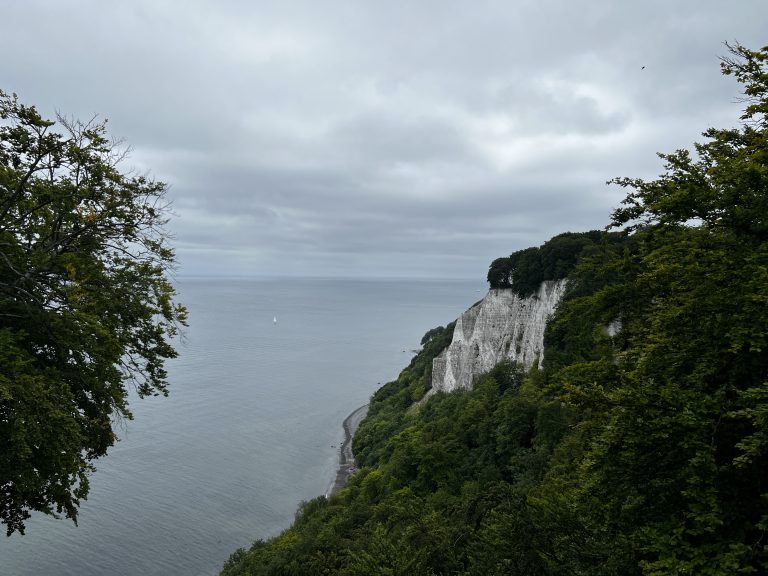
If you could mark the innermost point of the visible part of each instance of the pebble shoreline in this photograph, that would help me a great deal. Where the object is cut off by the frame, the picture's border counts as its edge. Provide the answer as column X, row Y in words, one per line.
column 347, row 465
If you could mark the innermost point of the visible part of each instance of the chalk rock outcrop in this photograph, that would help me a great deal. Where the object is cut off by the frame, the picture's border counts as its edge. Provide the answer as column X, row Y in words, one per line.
column 501, row 326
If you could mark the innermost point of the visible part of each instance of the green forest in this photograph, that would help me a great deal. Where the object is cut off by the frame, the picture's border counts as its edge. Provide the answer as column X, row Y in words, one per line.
column 641, row 445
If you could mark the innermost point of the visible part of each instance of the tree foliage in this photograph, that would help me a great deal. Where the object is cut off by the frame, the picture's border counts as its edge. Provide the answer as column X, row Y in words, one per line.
column 526, row 269
column 86, row 307
column 431, row 333
column 672, row 479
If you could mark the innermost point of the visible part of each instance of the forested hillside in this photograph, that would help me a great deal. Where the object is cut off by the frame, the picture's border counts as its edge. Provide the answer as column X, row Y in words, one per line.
column 640, row 447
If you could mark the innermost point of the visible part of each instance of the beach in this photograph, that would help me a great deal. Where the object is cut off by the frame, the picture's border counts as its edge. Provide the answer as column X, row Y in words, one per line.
column 347, row 465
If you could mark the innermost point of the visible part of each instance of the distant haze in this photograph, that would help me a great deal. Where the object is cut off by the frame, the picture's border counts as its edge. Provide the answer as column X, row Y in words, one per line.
column 359, row 138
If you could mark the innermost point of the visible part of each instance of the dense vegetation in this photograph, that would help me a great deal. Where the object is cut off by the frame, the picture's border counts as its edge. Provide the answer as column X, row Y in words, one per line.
column 86, row 306
column 389, row 406
column 640, row 447
column 526, row 269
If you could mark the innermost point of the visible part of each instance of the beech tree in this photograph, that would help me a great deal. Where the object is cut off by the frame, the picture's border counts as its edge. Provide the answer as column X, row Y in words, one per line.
column 670, row 476
column 86, row 306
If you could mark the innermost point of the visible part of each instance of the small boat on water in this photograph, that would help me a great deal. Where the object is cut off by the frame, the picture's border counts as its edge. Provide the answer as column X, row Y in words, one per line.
column 274, row 320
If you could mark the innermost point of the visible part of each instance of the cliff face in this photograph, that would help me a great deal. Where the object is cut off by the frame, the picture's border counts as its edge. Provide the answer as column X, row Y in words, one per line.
column 501, row 326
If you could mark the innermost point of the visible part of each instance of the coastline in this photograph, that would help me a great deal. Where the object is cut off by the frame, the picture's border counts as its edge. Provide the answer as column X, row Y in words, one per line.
column 347, row 465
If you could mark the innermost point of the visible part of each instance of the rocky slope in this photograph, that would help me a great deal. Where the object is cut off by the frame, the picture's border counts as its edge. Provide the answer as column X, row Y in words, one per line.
column 501, row 326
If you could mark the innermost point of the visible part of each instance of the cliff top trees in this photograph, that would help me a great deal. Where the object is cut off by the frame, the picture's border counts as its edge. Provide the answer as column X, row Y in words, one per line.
column 526, row 269
column 86, row 307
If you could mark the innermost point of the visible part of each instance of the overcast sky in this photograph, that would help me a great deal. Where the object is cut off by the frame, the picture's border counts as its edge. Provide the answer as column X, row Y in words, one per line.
column 362, row 138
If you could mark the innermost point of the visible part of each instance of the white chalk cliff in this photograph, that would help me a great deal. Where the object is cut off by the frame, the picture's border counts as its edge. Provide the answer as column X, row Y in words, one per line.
column 501, row 326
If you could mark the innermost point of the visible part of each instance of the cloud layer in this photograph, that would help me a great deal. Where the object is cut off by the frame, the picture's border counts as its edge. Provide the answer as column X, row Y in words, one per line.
column 382, row 139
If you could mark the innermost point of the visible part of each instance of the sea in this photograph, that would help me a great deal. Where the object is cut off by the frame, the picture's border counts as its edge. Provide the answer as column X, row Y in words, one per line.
column 268, row 371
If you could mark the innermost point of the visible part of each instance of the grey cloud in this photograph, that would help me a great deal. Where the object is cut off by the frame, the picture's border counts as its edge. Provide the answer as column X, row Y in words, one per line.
column 382, row 138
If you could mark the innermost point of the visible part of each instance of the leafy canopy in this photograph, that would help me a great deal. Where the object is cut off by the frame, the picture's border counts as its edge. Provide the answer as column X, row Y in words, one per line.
column 670, row 474
column 86, row 307
column 526, row 269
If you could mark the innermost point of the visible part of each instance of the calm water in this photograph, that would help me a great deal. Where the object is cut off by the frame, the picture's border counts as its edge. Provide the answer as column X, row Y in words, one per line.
column 251, row 428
